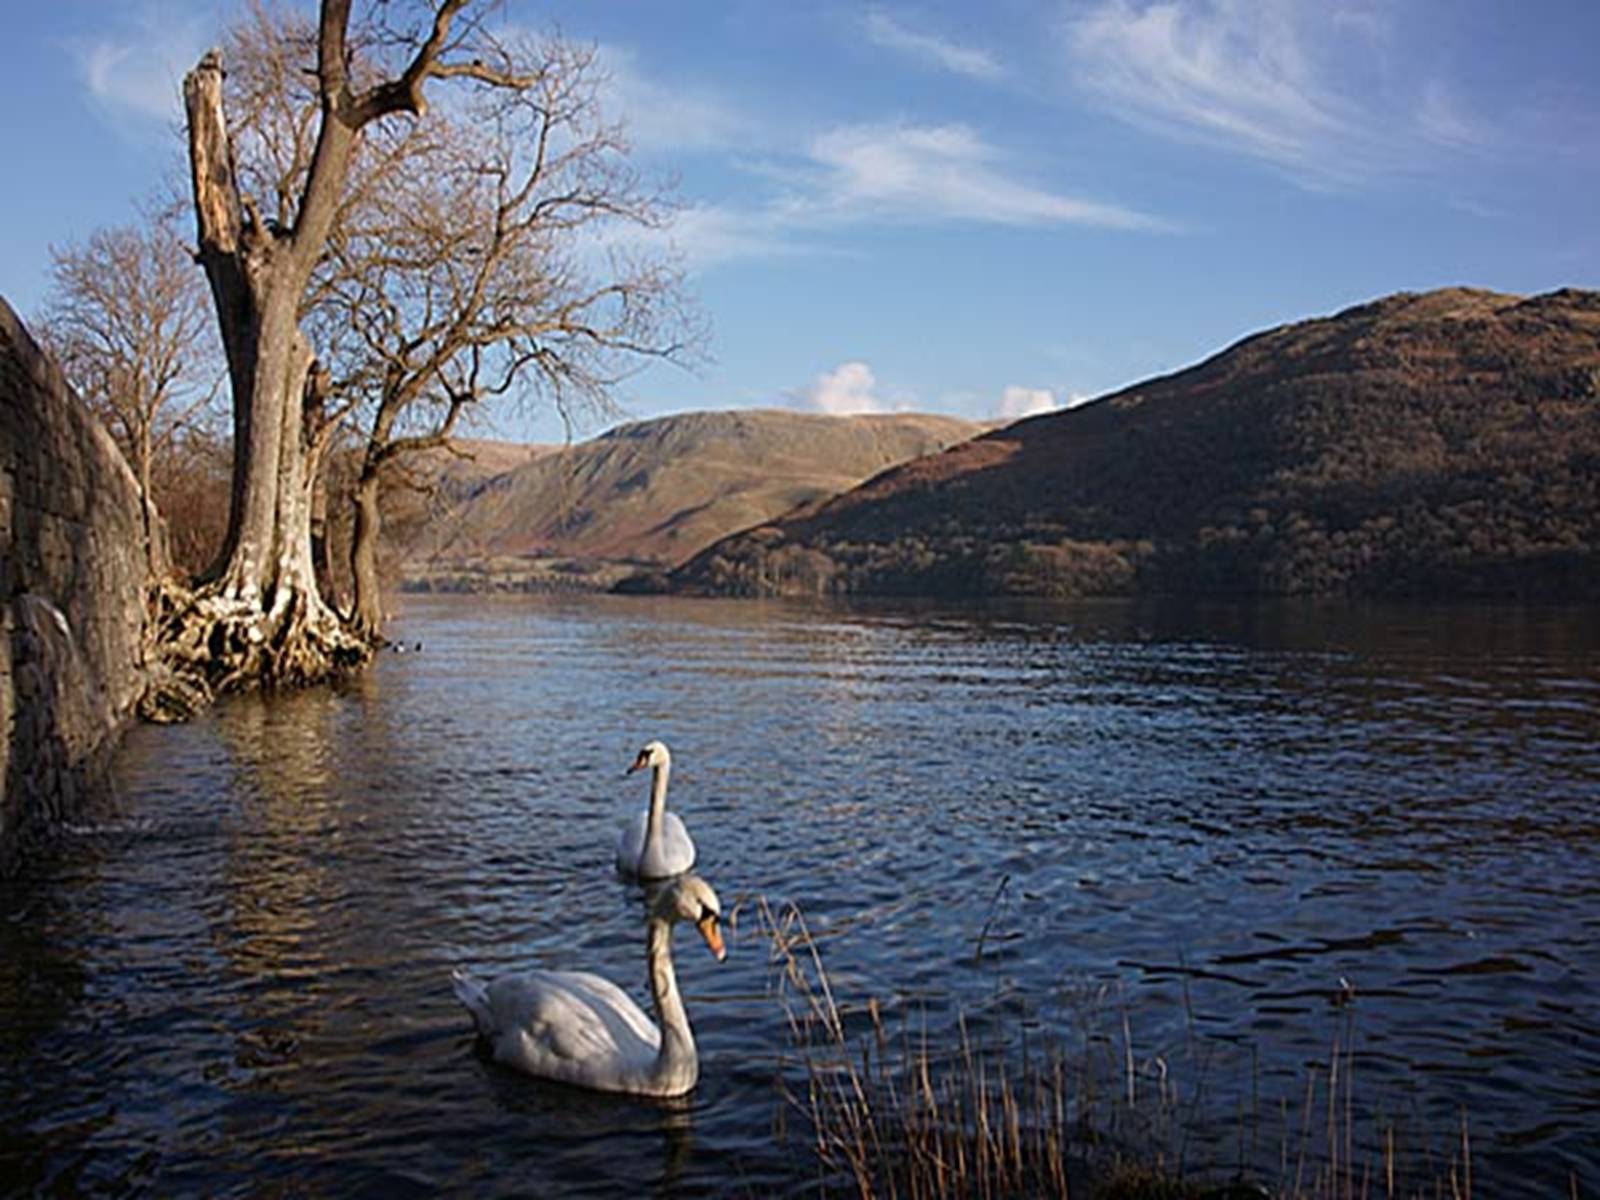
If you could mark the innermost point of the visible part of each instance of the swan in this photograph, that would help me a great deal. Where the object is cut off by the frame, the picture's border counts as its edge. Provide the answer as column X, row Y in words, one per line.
column 581, row 1029
column 655, row 844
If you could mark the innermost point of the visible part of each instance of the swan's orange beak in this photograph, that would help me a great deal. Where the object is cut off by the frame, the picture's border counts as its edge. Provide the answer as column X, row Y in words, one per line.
column 707, row 925
column 639, row 763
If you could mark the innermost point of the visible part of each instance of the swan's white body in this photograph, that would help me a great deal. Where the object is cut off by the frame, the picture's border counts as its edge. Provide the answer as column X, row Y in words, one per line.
column 582, row 1029
column 655, row 844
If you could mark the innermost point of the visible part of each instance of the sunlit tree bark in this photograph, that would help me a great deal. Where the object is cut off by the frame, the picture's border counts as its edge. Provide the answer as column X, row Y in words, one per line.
column 261, row 616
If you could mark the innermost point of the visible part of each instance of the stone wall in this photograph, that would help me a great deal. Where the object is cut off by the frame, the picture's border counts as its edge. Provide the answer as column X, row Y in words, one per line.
column 72, row 582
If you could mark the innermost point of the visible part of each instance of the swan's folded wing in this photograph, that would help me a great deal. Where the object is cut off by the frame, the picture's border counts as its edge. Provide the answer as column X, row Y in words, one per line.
column 630, row 841
column 628, row 1024
column 672, row 854
column 573, row 1016
column 679, row 846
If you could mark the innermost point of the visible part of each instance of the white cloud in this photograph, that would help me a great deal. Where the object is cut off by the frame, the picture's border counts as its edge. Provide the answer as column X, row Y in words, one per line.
column 1248, row 74
column 1018, row 402
column 1441, row 119
column 139, row 70
column 850, row 387
column 671, row 117
column 861, row 175
column 944, row 172
column 883, row 30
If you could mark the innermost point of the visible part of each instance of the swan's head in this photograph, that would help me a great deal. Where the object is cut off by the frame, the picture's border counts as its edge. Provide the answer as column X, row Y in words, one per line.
column 654, row 754
column 690, row 898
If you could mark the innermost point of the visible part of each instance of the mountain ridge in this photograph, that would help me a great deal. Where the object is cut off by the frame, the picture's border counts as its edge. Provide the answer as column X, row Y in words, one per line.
column 1440, row 442
column 654, row 492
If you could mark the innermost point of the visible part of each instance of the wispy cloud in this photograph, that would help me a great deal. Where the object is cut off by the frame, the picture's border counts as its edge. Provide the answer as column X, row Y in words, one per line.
column 1333, row 94
column 885, row 31
column 943, row 172
column 1442, row 119
column 675, row 117
column 137, row 70
column 859, row 176
column 1228, row 72
column 707, row 234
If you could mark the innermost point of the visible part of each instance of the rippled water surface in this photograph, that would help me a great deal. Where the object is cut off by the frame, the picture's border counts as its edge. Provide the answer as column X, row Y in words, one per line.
column 237, row 980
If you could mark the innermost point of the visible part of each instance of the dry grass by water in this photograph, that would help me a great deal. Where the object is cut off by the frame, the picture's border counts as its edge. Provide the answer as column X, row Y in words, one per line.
column 895, row 1114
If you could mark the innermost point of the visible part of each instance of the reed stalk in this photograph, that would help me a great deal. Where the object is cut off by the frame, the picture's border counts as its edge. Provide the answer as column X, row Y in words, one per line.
column 890, row 1114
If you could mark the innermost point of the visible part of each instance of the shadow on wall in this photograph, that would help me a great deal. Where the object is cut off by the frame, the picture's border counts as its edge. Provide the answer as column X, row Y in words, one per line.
column 72, row 582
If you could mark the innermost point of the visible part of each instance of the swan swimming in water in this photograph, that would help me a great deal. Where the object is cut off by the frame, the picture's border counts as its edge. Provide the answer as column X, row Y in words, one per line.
column 582, row 1029
column 655, row 844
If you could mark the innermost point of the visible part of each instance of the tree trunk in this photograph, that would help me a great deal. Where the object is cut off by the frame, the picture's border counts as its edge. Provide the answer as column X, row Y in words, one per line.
column 319, row 545
column 259, row 616
column 367, row 613
column 153, row 563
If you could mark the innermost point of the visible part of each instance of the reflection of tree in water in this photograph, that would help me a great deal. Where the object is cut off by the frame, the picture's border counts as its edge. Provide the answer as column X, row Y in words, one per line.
column 283, row 916
column 277, row 886
column 321, row 900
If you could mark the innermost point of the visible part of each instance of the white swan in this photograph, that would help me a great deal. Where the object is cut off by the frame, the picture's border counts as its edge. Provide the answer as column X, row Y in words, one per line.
column 584, row 1030
column 655, row 844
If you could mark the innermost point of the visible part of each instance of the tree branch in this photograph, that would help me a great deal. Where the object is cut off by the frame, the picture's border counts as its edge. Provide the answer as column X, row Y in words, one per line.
column 405, row 94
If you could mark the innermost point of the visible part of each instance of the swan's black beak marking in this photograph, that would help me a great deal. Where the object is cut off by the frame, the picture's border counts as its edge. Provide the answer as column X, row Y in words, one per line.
column 639, row 763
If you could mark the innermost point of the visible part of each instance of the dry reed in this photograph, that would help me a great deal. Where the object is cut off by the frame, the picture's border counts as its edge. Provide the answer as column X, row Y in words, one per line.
column 892, row 1114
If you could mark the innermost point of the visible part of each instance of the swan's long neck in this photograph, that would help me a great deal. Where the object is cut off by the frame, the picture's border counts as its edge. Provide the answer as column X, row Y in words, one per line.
column 658, row 803
column 677, row 1053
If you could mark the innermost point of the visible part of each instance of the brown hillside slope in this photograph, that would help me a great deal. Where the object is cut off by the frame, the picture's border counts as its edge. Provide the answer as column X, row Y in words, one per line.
column 657, row 491
column 428, row 487
column 1438, row 444
column 431, row 483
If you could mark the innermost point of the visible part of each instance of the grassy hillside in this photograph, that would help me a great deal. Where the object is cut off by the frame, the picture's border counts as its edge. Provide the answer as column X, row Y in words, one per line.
column 655, row 492
column 1438, row 444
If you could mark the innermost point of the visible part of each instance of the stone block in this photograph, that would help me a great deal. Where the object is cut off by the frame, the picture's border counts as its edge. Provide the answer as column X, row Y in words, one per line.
column 71, row 588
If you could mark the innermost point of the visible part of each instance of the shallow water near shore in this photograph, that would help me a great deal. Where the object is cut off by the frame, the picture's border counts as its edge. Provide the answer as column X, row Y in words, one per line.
column 1243, row 829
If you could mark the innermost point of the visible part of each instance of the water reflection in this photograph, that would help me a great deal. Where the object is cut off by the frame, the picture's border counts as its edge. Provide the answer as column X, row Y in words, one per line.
column 1198, row 821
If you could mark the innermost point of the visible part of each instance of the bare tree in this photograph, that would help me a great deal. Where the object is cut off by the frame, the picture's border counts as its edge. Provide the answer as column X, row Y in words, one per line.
column 262, row 616
column 126, row 318
column 476, row 256
column 190, row 481
column 488, row 264
column 380, row 266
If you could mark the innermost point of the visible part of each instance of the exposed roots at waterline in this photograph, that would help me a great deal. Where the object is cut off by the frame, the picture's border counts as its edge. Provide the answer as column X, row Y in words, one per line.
column 210, row 640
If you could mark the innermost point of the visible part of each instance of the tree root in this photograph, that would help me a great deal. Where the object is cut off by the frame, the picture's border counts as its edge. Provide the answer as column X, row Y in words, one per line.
column 208, row 641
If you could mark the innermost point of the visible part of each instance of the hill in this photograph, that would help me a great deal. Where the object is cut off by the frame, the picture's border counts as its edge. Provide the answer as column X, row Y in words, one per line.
column 655, row 492
column 437, row 481
column 425, row 490
column 1439, row 444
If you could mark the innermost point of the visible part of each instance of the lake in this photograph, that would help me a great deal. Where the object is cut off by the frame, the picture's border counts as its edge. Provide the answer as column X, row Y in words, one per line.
column 1213, row 839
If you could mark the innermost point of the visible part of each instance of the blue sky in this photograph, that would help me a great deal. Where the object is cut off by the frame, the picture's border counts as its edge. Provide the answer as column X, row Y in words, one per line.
column 978, row 209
